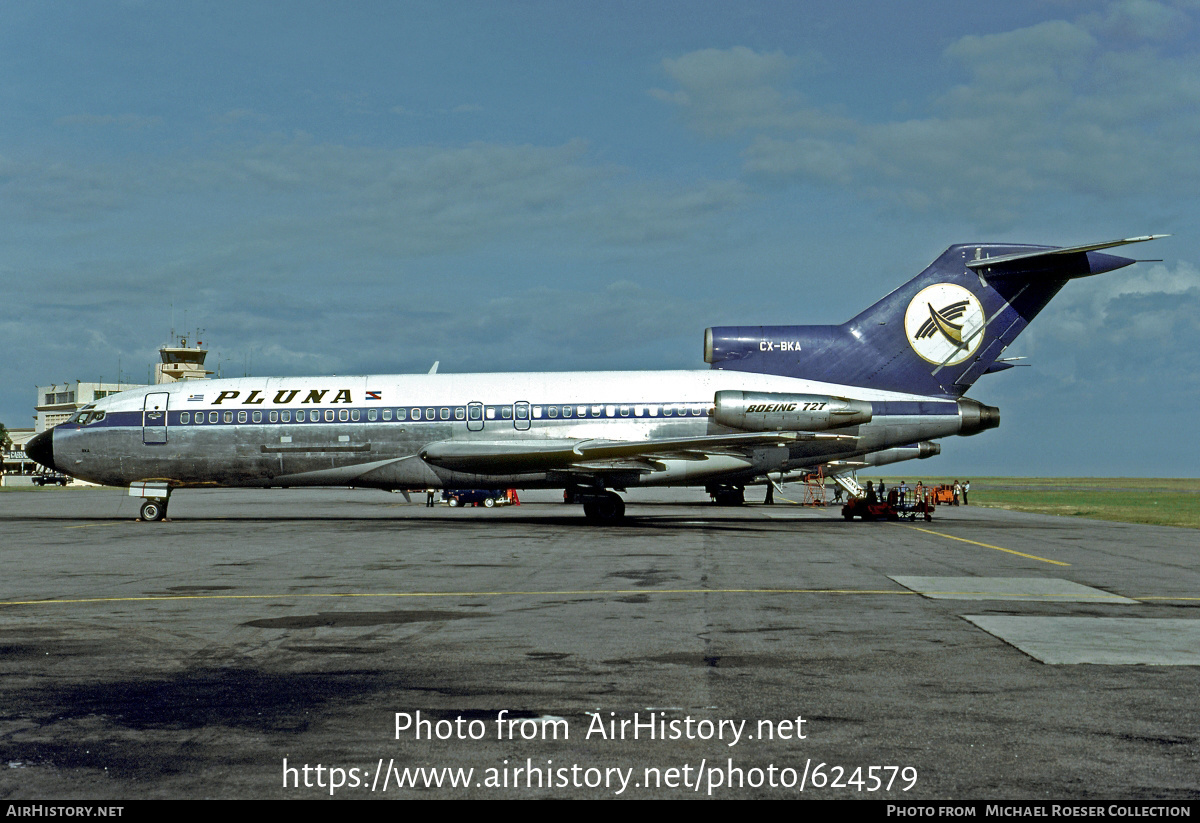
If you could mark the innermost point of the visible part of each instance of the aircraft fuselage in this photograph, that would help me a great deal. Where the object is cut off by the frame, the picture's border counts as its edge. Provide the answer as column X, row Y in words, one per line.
column 372, row 430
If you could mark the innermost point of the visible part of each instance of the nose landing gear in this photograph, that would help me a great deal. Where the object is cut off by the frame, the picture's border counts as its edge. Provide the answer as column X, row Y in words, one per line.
column 154, row 500
column 154, row 510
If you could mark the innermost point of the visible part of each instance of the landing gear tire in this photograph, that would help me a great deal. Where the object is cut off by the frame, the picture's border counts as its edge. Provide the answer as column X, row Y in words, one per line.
column 154, row 510
column 607, row 509
column 729, row 496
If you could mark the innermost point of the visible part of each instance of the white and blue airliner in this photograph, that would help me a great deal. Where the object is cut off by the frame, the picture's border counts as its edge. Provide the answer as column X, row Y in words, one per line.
column 775, row 401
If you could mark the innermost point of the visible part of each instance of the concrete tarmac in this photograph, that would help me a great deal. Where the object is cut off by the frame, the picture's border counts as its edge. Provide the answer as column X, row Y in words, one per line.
column 757, row 651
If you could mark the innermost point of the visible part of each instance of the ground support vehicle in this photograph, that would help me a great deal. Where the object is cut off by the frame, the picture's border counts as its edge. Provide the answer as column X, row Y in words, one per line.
column 475, row 497
column 859, row 507
column 943, row 494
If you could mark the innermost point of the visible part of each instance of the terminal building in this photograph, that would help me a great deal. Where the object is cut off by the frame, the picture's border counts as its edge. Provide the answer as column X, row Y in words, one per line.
column 58, row 401
column 13, row 454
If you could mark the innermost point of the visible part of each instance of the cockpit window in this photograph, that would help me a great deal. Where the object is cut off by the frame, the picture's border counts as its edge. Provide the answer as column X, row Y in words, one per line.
column 81, row 417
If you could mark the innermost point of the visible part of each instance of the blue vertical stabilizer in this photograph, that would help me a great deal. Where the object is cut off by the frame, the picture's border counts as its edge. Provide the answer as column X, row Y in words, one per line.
column 935, row 335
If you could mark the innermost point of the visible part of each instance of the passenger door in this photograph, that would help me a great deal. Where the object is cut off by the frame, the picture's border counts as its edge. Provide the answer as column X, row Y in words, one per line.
column 154, row 418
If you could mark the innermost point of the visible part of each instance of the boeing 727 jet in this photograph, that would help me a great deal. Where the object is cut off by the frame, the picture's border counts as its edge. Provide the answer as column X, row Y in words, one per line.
column 776, row 400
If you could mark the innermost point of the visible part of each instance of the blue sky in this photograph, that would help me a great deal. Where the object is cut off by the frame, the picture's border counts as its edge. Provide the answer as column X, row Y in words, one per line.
column 369, row 187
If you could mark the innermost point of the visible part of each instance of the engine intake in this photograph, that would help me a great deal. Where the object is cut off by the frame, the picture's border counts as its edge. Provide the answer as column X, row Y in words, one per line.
column 773, row 411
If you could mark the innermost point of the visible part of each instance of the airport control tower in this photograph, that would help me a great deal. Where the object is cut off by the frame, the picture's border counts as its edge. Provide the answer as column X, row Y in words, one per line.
column 181, row 362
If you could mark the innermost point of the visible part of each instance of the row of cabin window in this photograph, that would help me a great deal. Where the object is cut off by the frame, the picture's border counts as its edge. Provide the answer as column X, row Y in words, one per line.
column 441, row 413
column 669, row 410
column 314, row 416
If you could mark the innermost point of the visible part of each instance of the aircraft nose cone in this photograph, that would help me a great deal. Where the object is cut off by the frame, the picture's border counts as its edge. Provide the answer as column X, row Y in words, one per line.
column 41, row 448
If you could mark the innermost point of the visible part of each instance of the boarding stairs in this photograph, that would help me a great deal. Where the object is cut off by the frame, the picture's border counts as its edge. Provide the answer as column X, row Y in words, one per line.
column 850, row 483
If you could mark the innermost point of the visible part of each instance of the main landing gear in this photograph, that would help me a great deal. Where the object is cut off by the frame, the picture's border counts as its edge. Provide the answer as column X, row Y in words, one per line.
column 728, row 495
column 599, row 506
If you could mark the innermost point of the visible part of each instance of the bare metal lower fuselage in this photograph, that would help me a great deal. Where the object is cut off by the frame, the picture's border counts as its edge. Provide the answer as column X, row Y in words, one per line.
column 257, row 432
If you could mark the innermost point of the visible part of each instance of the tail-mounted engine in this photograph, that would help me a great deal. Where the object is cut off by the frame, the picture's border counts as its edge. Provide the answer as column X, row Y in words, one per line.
column 773, row 411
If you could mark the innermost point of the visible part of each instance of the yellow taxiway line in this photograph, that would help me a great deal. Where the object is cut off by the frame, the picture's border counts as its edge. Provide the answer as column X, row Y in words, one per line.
column 990, row 546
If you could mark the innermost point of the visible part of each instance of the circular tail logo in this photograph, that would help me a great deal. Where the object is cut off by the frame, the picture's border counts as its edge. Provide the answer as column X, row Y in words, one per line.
column 944, row 324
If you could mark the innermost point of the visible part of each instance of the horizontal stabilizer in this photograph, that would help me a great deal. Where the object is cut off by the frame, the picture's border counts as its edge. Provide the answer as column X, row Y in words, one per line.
column 1005, row 262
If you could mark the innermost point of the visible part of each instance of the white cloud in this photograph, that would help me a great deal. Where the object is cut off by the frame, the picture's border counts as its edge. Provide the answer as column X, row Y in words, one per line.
column 57, row 191
column 1141, row 20
column 724, row 92
column 234, row 116
column 1094, row 108
column 1150, row 303
column 402, row 202
column 1116, row 340
column 129, row 122
column 307, row 257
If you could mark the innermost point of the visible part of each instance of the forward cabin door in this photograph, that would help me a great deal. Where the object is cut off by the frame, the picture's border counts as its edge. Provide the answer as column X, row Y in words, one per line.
column 154, row 418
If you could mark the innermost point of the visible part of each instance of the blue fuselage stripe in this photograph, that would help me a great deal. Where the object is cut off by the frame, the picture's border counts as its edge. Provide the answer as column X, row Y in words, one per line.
column 590, row 411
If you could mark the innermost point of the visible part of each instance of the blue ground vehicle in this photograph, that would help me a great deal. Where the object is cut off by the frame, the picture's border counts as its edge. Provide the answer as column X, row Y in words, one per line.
column 473, row 497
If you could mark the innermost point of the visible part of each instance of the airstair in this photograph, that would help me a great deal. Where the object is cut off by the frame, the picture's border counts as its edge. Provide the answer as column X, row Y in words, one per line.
column 850, row 483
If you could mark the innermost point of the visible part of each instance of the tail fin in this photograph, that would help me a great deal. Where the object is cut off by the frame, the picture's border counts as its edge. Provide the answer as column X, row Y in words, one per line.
column 936, row 334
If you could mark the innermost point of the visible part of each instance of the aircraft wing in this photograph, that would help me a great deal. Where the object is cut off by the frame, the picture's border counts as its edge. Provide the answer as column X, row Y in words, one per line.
column 514, row 457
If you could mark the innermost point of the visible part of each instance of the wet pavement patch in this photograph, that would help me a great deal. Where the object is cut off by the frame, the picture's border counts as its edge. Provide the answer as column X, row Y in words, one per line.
column 645, row 577
column 344, row 620
column 720, row 661
column 196, row 699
